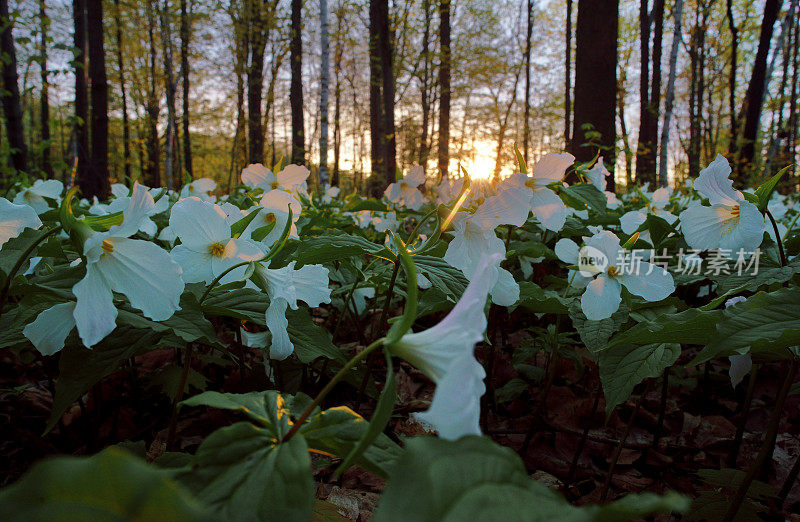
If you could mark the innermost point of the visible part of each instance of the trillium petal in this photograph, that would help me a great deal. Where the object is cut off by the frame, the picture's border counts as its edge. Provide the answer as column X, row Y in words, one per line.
column 293, row 176
column 95, row 314
column 416, row 176
column 14, row 219
column 257, row 175
column 311, row 284
column 506, row 290
column 713, row 183
column 607, row 244
column 50, row 328
column 146, row 275
column 199, row 224
column 456, row 406
column 649, row 281
column 601, row 298
column 282, row 346
column 567, row 251
column 741, row 365
column 119, row 190
column 631, row 221
column 551, row 167
column 510, row 206
column 195, row 266
column 139, row 207
column 549, row 209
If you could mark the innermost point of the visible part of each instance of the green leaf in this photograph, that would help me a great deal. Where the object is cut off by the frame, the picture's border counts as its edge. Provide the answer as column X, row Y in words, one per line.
column 691, row 326
column 270, row 409
column 309, row 339
column 588, row 195
column 323, row 249
column 624, row 366
column 80, row 368
column 442, row 276
column 380, row 418
column 765, row 323
column 474, row 478
column 595, row 334
column 534, row 298
column 246, row 304
column 112, row 485
column 240, row 225
column 765, row 190
column 357, row 204
column 13, row 249
column 245, row 473
column 261, row 232
column 510, row 390
column 188, row 323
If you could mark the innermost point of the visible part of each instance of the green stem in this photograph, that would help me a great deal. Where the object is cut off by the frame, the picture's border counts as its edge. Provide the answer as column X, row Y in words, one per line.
column 413, row 235
column 777, row 238
column 24, row 257
column 328, row 387
column 766, row 445
column 217, row 279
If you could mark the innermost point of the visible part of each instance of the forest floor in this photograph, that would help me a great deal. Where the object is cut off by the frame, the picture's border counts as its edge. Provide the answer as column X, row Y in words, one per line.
column 700, row 418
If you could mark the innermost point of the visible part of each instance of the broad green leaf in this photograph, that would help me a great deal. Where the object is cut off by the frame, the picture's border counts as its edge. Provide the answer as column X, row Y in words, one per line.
column 13, row 249
column 475, row 478
column 240, row 225
column 357, row 204
column 595, row 334
column 534, row 298
column 691, row 326
column 324, row 249
column 765, row 190
column 243, row 472
column 80, row 368
column 624, row 366
column 112, row 485
column 441, row 275
column 188, row 323
column 588, row 195
column 269, row 409
column 764, row 323
column 246, row 304
column 659, row 229
column 309, row 339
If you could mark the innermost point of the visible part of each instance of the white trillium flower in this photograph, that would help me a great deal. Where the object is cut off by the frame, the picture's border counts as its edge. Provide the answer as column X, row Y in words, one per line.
column 449, row 189
column 731, row 223
column 274, row 208
column 617, row 268
column 363, row 218
column 14, row 219
column 291, row 179
column 405, row 192
column 34, row 196
column 148, row 226
column 445, row 353
column 202, row 188
column 330, row 194
column 385, row 221
column 548, row 208
column 140, row 270
column 120, row 190
column 207, row 248
column 360, row 296
column 285, row 286
column 568, row 251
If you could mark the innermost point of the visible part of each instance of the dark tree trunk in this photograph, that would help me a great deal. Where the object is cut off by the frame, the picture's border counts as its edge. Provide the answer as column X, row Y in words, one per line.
column 185, row 35
column 387, row 85
column 171, row 166
column 81, row 167
column 655, row 91
column 97, row 183
column 444, row 86
column 338, row 54
column 153, row 153
column 126, row 132
column 47, row 166
column 526, row 129
column 376, row 130
column 697, row 55
column 568, row 78
column 424, row 148
column 596, row 78
column 755, row 92
column 650, row 91
column 732, row 77
column 260, row 20
column 296, row 88
column 12, row 110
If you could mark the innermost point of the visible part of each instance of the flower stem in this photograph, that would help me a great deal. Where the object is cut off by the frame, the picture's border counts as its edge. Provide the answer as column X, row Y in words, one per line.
column 24, row 257
column 328, row 387
column 733, row 456
column 777, row 238
column 173, row 420
column 766, row 445
column 219, row 277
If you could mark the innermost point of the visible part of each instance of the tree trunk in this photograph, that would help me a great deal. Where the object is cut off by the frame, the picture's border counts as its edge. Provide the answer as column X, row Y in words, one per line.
column 732, row 77
column 260, row 21
column 791, row 142
column 444, row 86
column 44, row 116
column 623, row 127
column 526, row 129
column 170, row 141
column 338, row 53
column 650, row 92
column 655, row 88
column 81, row 166
column 325, row 80
column 153, row 153
column 126, row 132
column 296, row 88
column 696, row 89
column 97, row 183
column 185, row 35
column 669, row 101
column 568, row 78
column 596, row 78
column 755, row 92
column 387, row 86
column 12, row 109
column 423, row 88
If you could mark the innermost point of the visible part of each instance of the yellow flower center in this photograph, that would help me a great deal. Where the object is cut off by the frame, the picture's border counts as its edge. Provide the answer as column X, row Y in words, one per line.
column 107, row 246
column 275, row 185
column 216, row 249
column 270, row 218
column 735, row 211
column 613, row 271
column 191, row 187
column 28, row 195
